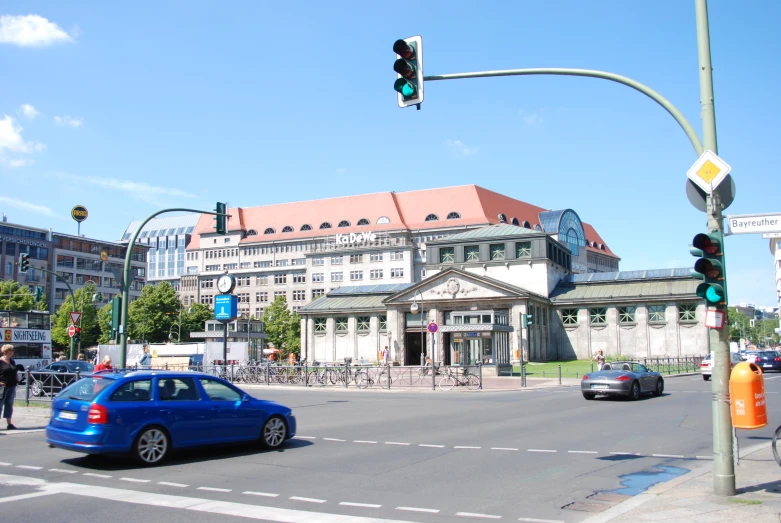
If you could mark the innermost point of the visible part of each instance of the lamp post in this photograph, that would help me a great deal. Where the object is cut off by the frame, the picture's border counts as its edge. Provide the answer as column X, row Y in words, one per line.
column 415, row 308
column 390, row 343
column 178, row 325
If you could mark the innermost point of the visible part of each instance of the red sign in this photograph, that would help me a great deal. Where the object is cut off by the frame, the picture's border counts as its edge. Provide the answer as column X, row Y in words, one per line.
column 433, row 327
column 75, row 317
column 71, row 331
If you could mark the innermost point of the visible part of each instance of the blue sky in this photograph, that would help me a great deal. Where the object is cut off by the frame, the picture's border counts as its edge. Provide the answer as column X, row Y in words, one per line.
column 127, row 108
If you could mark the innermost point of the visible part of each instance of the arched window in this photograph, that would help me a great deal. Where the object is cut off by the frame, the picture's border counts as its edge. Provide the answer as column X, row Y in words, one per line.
column 252, row 232
column 270, row 230
column 325, row 225
column 527, row 225
column 537, row 227
column 594, row 244
column 363, row 221
column 344, row 223
column 432, row 218
column 287, row 228
column 515, row 221
column 306, row 227
column 602, row 247
column 383, row 220
column 453, row 216
column 502, row 218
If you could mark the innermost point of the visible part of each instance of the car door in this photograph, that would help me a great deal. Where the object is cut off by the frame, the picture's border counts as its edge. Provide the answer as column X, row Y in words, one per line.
column 131, row 403
column 647, row 381
column 232, row 418
column 186, row 414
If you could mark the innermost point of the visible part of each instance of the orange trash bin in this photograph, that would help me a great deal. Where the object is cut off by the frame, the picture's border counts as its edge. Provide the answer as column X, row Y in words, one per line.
column 747, row 395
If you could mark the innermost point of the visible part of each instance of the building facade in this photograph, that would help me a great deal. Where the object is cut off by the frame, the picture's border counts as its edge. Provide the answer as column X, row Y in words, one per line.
column 19, row 239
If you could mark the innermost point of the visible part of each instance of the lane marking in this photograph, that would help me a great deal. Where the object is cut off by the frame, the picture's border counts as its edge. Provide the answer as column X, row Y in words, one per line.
column 363, row 441
column 28, row 467
column 63, row 470
column 4, row 464
column 169, row 484
column 475, row 515
column 667, row 455
column 582, row 451
column 502, row 448
column 214, row 489
column 308, row 500
column 703, row 457
column 416, row 509
column 134, row 480
column 432, row 446
column 25, row 496
column 463, row 447
column 539, row 450
column 625, row 454
column 92, row 474
column 395, row 443
column 535, row 520
column 306, row 437
column 334, row 439
column 363, row 505
column 262, row 494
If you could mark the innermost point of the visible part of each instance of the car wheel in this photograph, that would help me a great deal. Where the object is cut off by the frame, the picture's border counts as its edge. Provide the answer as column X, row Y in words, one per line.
column 274, row 432
column 706, row 377
column 151, row 446
column 589, row 396
column 634, row 392
column 36, row 389
column 659, row 387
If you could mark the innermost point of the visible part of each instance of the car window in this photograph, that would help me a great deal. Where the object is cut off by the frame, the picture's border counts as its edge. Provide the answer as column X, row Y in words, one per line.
column 177, row 389
column 218, row 391
column 138, row 390
column 636, row 367
column 85, row 389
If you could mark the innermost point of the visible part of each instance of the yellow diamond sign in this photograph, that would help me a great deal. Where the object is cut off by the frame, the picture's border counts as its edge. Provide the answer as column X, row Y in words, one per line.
column 708, row 171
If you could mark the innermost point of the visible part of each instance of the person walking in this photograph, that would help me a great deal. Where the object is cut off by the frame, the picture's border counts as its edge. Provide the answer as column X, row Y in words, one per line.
column 600, row 359
column 385, row 355
column 105, row 365
column 146, row 359
column 8, row 382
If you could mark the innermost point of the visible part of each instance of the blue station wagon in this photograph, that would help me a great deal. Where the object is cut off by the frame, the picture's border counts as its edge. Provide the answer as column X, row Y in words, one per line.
column 148, row 413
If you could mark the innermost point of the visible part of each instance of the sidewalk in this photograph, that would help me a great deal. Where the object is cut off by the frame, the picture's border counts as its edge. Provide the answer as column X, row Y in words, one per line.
column 690, row 498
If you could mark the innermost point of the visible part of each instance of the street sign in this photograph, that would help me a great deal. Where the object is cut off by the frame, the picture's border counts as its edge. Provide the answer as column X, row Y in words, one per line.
column 708, row 171
column 433, row 327
column 75, row 317
column 225, row 307
column 771, row 235
column 714, row 319
column 753, row 223
column 725, row 191
column 71, row 330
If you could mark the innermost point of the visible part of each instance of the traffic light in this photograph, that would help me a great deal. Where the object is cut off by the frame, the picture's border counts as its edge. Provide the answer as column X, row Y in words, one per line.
column 24, row 262
column 409, row 67
column 116, row 314
column 38, row 293
column 710, row 267
column 220, row 218
column 77, row 335
column 526, row 320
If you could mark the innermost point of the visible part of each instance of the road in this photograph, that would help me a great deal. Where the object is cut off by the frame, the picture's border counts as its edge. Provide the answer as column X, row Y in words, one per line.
column 541, row 455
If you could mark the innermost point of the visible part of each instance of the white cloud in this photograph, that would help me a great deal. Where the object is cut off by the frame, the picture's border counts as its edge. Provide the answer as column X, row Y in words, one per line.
column 26, row 206
column 140, row 190
column 28, row 111
column 31, row 31
column 19, row 163
column 11, row 141
column 461, row 148
column 69, row 121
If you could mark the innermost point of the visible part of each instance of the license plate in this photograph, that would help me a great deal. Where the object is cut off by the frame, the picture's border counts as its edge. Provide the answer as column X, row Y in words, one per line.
column 767, row 365
column 600, row 386
column 66, row 414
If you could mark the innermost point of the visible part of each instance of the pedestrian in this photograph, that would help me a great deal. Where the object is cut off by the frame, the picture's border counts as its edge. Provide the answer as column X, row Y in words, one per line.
column 600, row 359
column 385, row 355
column 146, row 359
column 105, row 365
column 8, row 382
column 292, row 358
column 80, row 357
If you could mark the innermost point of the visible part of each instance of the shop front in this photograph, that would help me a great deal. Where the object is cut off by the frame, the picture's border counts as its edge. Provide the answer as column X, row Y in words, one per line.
column 478, row 337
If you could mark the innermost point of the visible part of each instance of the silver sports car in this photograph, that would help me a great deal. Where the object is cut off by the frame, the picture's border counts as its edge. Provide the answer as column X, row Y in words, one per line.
column 622, row 378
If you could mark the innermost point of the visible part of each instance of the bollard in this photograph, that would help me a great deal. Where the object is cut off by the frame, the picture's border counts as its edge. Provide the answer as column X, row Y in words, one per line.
column 268, row 378
column 433, row 376
column 480, row 368
column 523, row 375
column 306, row 375
column 27, row 388
column 559, row 373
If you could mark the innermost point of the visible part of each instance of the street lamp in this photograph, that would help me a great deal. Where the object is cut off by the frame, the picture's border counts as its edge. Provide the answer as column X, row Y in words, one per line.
column 415, row 308
column 178, row 325
column 390, row 345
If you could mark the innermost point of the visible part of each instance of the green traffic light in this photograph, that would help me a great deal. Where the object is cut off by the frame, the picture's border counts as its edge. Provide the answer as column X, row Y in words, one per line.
column 405, row 88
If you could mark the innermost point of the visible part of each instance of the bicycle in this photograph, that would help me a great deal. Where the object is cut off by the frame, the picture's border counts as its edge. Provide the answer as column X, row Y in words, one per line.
column 364, row 380
column 469, row 380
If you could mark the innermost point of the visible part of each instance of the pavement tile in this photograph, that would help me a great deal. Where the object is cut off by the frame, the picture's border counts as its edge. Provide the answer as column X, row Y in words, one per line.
column 670, row 514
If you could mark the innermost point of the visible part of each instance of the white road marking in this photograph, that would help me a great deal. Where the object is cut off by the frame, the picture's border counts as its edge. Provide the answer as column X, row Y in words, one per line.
column 63, row 470
column 395, row 443
column 169, row 484
column 134, row 480
column 334, row 439
column 416, row 509
column 474, row 515
column 625, row 453
column 582, row 451
column 25, row 496
column 28, row 467
column 363, row 441
column 364, row 505
column 539, row 450
column 535, row 520
column 502, row 448
column 214, row 489
column 432, row 446
column 262, row 494
column 703, row 457
column 305, row 437
column 92, row 474
column 308, row 500
column 4, row 464
column 462, row 447
column 667, row 455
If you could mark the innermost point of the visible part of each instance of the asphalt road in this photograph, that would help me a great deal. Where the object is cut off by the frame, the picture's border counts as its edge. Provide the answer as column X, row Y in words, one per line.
column 542, row 455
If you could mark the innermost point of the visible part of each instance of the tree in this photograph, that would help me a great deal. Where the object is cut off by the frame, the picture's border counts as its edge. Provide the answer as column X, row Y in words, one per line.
column 43, row 304
column 195, row 321
column 152, row 315
column 15, row 297
column 104, row 318
column 90, row 329
column 283, row 327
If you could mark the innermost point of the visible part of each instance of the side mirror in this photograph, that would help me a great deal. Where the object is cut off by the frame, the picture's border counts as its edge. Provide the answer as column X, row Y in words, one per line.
column 245, row 397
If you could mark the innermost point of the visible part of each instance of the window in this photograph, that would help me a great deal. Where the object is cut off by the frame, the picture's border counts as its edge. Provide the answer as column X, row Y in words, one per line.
column 336, row 260
column 269, row 230
column 287, row 228
column 453, row 216
column 282, row 263
column 318, row 277
column 336, row 276
column 375, row 274
column 344, row 223
column 139, row 390
column 397, row 255
column 515, row 221
column 356, row 275
column 502, row 218
column 299, row 295
column 299, row 261
column 598, row 316
column 471, row 253
column 261, row 297
column 299, row 277
column 207, row 284
column 497, row 251
column 325, row 225
column 277, row 294
column 316, row 293
column 252, row 232
column 432, row 218
column 341, row 324
column 656, row 313
column 362, row 221
column 261, row 264
column 317, row 262
column 261, row 280
column 363, row 323
column 383, row 323
column 177, row 389
column 687, row 313
column 382, row 220
column 626, row 314
column 397, row 273
column 356, row 258
column 447, row 254
column 305, row 227
column 243, row 297
column 569, row 316
column 218, row 391
column 280, row 278
column 523, row 249
column 320, row 324
column 375, row 257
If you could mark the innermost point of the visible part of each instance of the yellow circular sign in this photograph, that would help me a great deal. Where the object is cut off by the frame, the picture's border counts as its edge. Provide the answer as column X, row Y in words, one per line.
column 79, row 213
column 103, row 255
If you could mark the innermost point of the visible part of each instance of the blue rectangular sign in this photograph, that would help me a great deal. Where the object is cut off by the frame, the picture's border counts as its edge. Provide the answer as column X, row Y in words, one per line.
column 225, row 307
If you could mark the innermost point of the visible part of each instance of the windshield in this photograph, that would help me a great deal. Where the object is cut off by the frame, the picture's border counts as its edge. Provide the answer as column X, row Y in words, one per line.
column 85, row 389
column 83, row 366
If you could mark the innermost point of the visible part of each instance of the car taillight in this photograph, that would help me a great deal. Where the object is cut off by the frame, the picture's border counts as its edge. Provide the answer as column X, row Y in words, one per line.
column 97, row 415
column 777, row 359
column 622, row 378
column 703, row 364
column 757, row 359
column 585, row 376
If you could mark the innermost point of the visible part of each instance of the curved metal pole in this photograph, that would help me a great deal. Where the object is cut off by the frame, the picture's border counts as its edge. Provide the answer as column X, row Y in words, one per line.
column 126, row 288
column 658, row 98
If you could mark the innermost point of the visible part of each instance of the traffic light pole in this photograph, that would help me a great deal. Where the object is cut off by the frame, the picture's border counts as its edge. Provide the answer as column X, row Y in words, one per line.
column 123, row 327
column 73, row 299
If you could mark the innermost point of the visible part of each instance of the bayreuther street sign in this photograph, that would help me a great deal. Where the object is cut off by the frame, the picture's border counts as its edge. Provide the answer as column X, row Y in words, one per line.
column 754, row 223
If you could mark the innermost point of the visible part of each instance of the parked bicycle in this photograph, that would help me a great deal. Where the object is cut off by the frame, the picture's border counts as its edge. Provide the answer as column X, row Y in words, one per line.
column 451, row 379
column 364, row 379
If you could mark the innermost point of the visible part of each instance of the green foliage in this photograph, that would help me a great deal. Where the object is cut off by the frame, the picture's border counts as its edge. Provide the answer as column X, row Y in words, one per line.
column 90, row 329
column 283, row 327
column 194, row 319
column 152, row 315
column 104, row 317
column 43, row 304
column 740, row 328
column 15, row 297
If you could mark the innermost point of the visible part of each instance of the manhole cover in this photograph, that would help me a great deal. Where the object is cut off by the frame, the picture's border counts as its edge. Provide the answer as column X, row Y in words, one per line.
column 587, row 507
